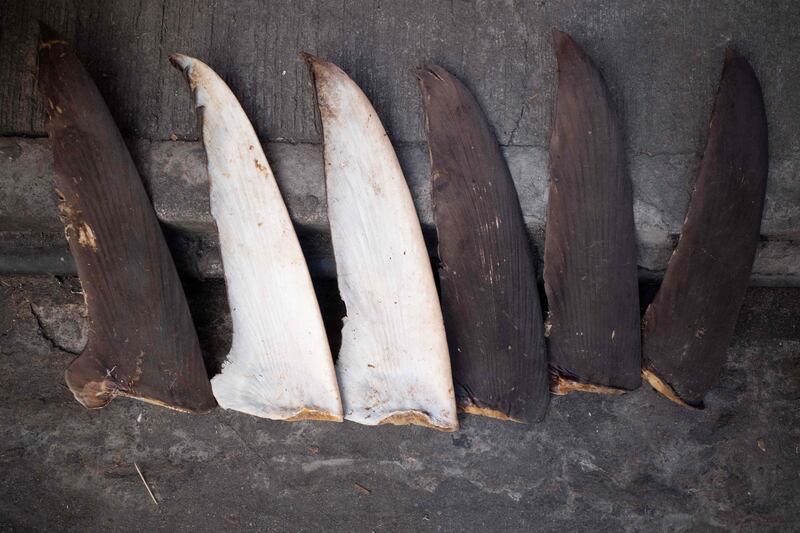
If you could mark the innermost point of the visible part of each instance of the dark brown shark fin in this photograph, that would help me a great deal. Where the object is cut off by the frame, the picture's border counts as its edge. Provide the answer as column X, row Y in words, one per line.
column 142, row 342
column 490, row 301
column 689, row 324
column 590, row 270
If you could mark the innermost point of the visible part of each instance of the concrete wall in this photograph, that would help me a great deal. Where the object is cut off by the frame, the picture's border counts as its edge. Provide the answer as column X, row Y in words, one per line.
column 661, row 60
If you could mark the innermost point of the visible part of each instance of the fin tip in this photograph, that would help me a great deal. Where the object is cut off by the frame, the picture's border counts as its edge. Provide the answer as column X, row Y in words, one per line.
column 311, row 59
column 180, row 61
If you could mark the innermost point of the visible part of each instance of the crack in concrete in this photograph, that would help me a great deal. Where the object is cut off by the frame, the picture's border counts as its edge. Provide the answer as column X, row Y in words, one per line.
column 246, row 444
column 516, row 126
column 43, row 332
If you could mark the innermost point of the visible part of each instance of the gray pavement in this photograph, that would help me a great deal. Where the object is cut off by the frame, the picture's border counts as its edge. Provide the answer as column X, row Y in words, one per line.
column 630, row 463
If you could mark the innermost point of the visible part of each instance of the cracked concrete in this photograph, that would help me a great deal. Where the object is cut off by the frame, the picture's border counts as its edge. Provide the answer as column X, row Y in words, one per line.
column 630, row 463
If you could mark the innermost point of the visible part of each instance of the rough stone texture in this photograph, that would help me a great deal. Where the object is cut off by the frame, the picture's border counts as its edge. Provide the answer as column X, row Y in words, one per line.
column 630, row 463
column 64, row 325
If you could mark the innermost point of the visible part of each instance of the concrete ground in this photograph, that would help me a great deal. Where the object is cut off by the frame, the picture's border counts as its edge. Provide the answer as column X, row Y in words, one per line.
column 630, row 463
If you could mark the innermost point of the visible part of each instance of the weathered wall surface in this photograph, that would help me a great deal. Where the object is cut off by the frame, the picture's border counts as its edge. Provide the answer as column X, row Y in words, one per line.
column 661, row 60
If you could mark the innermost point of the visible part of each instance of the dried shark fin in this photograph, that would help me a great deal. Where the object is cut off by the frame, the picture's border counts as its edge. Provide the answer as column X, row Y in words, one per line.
column 590, row 270
column 689, row 324
column 393, row 365
column 280, row 364
column 142, row 343
column 488, row 271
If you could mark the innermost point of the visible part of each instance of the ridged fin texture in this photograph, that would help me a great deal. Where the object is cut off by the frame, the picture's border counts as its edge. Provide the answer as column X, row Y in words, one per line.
column 280, row 364
column 487, row 274
column 690, row 323
column 590, row 270
column 393, row 366
column 142, row 342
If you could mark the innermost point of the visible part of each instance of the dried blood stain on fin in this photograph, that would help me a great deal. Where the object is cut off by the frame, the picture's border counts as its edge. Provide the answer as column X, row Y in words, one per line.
column 490, row 300
column 590, row 270
column 689, row 324
column 142, row 343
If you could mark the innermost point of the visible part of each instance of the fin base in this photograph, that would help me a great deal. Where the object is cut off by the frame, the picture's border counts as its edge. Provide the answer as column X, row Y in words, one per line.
column 662, row 387
column 561, row 386
column 472, row 408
